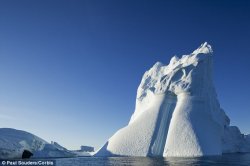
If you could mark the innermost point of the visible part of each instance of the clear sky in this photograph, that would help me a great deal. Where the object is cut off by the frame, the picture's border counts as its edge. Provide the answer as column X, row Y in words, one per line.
column 69, row 70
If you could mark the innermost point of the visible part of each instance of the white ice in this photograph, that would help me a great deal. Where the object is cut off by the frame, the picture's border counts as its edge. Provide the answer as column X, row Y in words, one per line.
column 14, row 142
column 177, row 113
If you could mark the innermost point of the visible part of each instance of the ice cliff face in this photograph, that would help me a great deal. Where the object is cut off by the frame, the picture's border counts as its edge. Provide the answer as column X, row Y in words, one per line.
column 14, row 142
column 177, row 113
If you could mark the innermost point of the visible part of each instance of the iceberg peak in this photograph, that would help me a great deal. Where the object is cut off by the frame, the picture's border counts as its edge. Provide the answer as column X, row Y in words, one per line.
column 205, row 48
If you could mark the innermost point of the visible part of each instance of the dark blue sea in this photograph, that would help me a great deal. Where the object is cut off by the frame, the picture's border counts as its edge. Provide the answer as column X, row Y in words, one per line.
column 241, row 159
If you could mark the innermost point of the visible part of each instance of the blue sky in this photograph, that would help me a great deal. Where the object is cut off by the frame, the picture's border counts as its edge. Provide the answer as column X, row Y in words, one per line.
column 69, row 70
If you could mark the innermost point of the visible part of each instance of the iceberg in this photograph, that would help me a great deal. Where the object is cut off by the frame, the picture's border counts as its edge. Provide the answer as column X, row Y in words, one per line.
column 177, row 113
column 13, row 144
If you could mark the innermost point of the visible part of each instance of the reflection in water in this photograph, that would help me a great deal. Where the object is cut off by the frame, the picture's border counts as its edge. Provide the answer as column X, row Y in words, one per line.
column 227, row 160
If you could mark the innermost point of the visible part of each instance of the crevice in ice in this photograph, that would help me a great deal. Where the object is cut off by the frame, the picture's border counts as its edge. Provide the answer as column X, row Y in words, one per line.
column 162, row 126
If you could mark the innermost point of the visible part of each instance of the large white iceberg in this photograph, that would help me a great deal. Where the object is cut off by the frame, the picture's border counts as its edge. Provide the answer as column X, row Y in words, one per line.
column 178, row 114
column 13, row 143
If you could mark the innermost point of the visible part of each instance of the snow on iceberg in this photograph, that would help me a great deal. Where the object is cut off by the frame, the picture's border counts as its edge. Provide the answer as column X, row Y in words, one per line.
column 177, row 113
column 14, row 142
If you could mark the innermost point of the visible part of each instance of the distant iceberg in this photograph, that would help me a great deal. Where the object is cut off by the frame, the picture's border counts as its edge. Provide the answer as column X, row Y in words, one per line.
column 177, row 113
column 14, row 143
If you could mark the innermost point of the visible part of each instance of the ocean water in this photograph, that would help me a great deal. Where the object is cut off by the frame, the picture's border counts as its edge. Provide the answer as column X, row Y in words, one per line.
column 241, row 159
